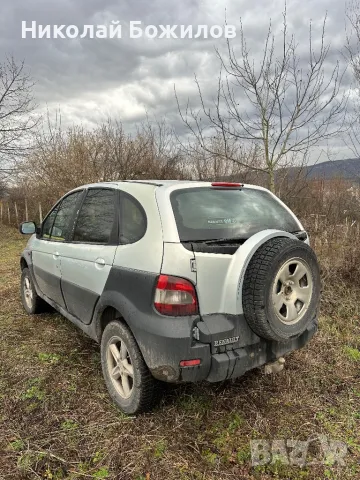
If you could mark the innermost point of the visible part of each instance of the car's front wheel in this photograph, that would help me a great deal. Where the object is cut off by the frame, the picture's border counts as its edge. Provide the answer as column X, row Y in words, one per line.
column 129, row 381
column 30, row 299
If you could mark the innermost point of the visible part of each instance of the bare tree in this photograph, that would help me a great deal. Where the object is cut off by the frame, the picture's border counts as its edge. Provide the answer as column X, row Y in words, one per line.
column 63, row 158
column 16, row 113
column 213, row 163
column 277, row 108
column 353, row 37
column 352, row 49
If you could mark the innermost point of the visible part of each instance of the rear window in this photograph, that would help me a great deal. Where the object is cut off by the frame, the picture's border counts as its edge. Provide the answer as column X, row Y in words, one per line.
column 213, row 213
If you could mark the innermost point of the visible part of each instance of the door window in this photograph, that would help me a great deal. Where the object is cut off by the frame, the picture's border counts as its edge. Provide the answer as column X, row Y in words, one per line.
column 57, row 226
column 48, row 223
column 96, row 218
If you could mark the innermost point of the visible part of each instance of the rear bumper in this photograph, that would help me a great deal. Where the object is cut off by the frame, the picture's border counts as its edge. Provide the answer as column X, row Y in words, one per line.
column 234, row 363
column 218, row 365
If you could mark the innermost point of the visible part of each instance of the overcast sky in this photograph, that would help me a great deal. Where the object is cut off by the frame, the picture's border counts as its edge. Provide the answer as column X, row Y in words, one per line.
column 90, row 79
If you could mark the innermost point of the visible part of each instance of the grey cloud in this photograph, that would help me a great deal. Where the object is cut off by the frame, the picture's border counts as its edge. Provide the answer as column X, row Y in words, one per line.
column 92, row 78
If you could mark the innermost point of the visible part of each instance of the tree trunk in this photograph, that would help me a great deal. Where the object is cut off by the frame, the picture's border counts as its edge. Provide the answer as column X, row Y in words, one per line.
column 271, row 180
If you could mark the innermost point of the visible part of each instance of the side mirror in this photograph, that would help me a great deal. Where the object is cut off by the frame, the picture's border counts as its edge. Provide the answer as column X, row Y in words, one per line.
column 27, row 228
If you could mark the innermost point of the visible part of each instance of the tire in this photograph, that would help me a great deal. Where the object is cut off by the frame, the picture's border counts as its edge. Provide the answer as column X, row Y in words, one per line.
column 128, row 380
column 281, row 289
column 31, row 301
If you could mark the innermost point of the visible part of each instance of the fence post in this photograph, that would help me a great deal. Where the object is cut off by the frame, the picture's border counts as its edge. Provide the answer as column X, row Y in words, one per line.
column 26, row 210
column 40, row 213
column 9, row 218
column 1, row 211
column 16, row 214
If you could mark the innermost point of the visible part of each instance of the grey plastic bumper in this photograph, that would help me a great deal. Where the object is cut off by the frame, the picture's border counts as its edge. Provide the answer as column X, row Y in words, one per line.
column 231, row 363
column 234, row 363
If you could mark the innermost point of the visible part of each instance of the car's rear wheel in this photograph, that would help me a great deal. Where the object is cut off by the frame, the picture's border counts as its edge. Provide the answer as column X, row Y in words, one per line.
column 281, row 289
column 31, row 301
column 129, row 381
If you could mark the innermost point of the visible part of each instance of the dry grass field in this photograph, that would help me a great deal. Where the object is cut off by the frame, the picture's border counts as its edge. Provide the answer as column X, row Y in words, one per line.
column 57, row 421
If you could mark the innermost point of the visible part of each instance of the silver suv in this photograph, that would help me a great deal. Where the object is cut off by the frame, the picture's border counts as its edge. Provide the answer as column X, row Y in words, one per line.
column 178, row 281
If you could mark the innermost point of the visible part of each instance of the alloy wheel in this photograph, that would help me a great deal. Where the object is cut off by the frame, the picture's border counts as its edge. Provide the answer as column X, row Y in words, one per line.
column 292, row 291
column 28, row 293
column 120, row 367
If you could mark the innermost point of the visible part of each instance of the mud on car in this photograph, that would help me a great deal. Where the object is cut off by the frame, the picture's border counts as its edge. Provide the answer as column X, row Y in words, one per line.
column 178, row 281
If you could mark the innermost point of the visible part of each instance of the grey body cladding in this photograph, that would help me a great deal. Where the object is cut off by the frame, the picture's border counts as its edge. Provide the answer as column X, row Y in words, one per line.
column 79, row 301
column 164, row 340
column 49, row 283
column 128, row 291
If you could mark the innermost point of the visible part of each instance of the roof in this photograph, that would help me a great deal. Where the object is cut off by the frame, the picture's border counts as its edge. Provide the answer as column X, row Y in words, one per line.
column 157, row 183
column 168, row 185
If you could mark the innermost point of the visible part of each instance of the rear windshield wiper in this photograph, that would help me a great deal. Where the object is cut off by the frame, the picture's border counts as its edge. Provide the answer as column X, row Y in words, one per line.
column 217, row 240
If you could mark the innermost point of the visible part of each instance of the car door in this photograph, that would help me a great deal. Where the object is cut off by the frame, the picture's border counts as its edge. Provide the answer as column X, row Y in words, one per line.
column 86, row 260
column 46, row 249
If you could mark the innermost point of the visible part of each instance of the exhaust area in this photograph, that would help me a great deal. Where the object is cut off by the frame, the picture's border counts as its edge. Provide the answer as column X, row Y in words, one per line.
column 275, row 367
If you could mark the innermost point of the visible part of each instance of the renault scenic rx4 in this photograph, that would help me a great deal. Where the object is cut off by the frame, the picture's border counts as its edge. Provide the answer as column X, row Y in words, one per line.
column 178, row 281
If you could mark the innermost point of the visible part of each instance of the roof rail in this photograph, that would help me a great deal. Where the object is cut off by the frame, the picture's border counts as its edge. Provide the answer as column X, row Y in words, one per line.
column 145, row 182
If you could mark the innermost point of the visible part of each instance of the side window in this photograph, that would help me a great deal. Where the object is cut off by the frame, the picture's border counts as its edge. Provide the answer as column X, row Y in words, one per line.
column 133, row 221
column 48, row 223
column 96, row 218
column 61, row 227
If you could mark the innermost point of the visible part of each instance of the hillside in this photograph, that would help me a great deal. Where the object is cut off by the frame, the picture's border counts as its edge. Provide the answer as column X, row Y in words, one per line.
column 349, row 169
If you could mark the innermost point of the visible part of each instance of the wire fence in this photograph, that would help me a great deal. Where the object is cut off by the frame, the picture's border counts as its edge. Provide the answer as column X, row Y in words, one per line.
column 15, row 212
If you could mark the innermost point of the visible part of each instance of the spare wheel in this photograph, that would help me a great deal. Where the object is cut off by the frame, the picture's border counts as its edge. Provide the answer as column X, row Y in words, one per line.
column 281, row 289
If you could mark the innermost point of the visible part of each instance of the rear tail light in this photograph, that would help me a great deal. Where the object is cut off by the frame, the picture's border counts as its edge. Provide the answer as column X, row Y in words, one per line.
column 175, row 296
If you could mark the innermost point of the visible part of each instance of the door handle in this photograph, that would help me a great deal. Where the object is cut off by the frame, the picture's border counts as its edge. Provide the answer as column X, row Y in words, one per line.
column 100, row 262
column 56, row 255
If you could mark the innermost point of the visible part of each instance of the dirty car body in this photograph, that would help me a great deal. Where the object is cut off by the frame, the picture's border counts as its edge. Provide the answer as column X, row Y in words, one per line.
column 171, row 261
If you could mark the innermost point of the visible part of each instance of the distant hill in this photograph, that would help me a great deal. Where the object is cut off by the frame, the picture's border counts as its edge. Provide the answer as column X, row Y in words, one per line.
column 348, row 169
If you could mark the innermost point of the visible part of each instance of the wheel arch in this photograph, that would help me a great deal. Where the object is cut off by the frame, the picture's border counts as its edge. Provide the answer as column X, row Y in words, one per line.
column 105, row 314
column 23, row 263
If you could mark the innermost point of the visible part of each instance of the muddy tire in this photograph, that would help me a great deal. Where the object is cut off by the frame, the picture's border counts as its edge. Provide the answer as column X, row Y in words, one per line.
column 129, row 381
column 31, row 301
column 281, row 289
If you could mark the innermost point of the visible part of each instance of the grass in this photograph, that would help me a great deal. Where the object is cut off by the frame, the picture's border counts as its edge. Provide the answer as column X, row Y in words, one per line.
column 57, row 421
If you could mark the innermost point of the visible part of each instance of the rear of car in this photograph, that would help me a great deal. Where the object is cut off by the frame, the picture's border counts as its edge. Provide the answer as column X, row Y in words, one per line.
column 238, row 273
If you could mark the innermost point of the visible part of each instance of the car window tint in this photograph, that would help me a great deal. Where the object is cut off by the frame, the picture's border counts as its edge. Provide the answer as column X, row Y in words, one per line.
column 96, row 217
column 132, row 220
column 61, row 227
